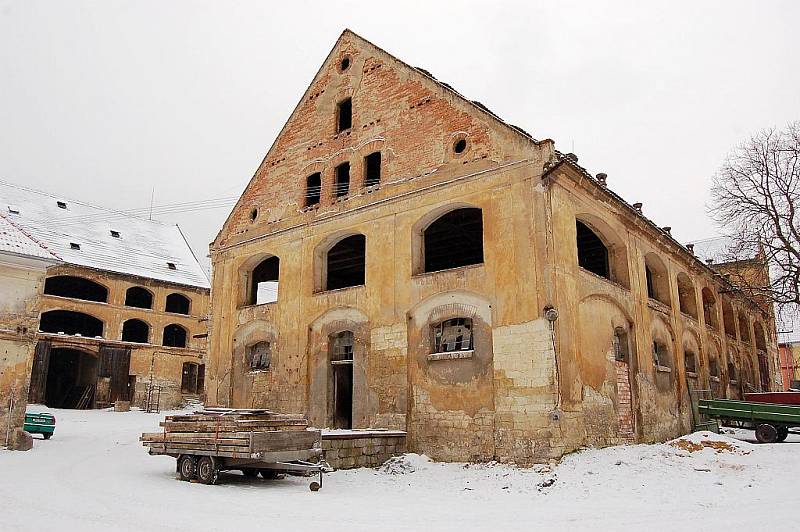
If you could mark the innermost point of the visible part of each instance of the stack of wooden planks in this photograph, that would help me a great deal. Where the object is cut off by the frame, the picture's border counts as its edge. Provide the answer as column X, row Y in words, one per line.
column 231, row 433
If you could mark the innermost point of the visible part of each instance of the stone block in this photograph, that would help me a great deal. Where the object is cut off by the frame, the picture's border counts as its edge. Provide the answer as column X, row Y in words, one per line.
column 20, row 440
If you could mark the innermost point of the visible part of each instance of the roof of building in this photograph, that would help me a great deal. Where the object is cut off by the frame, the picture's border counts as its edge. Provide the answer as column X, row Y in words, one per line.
column 718, row 250
column 95, row 237
column 16, row 241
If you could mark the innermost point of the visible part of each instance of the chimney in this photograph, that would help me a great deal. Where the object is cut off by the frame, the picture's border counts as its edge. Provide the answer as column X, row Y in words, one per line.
column 667, row 229
column 638, row 207
column 690, row 247
column 572, row 157
column 601, row 177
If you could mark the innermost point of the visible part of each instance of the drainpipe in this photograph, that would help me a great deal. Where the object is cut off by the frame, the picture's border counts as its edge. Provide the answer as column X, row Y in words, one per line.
column 8, row 421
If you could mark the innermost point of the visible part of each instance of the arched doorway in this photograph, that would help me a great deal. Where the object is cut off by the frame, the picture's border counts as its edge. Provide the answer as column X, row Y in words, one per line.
column 71, row 379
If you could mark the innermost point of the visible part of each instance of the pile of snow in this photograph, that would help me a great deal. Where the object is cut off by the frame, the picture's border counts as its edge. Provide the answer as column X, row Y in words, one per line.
column 402, row 465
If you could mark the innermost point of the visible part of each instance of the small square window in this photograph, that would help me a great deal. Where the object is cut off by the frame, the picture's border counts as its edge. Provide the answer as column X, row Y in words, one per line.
column 171, row 266
column 73, row 245
column 115, row 234
column 61, row 205
column 344, row 115
column 342, row 180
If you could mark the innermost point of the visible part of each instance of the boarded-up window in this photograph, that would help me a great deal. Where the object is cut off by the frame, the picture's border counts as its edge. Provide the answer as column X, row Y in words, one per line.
column 259, row 356
column 453, row 335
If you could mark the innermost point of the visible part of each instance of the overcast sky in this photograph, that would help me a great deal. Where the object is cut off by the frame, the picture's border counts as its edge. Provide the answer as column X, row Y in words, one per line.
column 105, row 101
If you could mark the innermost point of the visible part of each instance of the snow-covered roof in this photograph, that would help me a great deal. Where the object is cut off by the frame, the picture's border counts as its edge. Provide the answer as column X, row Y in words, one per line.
column 104, row 239
column 14, row 240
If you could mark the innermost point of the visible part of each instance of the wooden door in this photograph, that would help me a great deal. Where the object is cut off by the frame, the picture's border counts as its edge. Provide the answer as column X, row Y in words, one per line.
column 116, row 362
column 41, row 363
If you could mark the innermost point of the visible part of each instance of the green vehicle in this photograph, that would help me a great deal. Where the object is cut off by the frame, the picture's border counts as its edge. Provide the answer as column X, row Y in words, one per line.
column 772, row 422
column 41, row 423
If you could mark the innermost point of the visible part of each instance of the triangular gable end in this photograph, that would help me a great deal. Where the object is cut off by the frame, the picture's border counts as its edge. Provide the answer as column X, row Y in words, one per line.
column 416, row 116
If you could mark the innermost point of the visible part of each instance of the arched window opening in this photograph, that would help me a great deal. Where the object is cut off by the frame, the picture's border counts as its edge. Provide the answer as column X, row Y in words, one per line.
column 687, row 296
column 135, row 330
column 690, row 363
column 744, row 329
column 76, row 288
column 592, row 252
column 763, row 371
column 760, row 338
column 710, row 308
column 259, row 356
column 661, row 358
column 453, row 335
column 732, row 374
column 138, row 297
column 193, row 378
column 455, row 239
column 372, row 169
column 341, row 379
column 656, row 279
column 747, row 374
column 342, row 185
column 178, row 304
column 70, row 322
column 728, row 318
column 346, row 263
column 621, row 346
column 313, row 189
column 174, row 336
column 264, row 282
column 713, row 368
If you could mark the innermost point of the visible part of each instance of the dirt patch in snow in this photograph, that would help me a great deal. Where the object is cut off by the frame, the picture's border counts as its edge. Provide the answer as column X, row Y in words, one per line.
column 707, row 440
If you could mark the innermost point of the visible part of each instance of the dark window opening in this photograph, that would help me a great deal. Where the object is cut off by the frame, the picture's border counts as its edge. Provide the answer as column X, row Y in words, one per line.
column 731, row 372
column 174, row 336
column 259, row 356
column 313, row 189
column 193, row 378
column 135, row 331
column 341, row 380
column 763, row 372
column 592, row 253
column 621, row 349
column 744, row 329
column 73, row 245
column 660, row 355
column 686, row 296
column 344, row 115
column 61, row 205
column 253, row 215
column 709, row 308
column 178, row 304
column 651, row 289
column 761, row 342
column 690, row 361
column 345, row 64
column 69, row 322
column 346, row 263
column 264, row 282
column 171, row 266
column 454, row 240
column 76, row 288
column 342, row 185
column 453, row 335
column 71, row 379
column 460, row 146
column 372, row 165
column 713, row 368
column 115, row 234
column 138, row 297
column 728, row 319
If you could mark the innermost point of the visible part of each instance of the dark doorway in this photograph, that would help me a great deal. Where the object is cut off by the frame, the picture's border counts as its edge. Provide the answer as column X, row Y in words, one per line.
column 138, row 297
column 71, row 379
column 177, row 303
column 592, row 253
column 193, row 378
column 264, row 282
column 76, row 288
column 346, row 263
column 342, row 380
column 453, row 240
column 69, row 322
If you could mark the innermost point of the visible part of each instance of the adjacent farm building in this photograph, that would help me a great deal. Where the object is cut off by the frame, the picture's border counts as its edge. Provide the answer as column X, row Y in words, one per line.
column 405, row 259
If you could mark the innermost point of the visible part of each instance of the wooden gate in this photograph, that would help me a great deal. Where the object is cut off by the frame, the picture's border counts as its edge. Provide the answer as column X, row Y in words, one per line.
column 115, row 362
column 41, row 363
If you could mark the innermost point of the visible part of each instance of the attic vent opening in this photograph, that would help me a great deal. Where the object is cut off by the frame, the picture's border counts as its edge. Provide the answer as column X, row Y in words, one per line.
column 115, row 234
column 171, row 266
column 253, row 215
column 13, row 210
column 342, row 185
column 460, row 146
column 372, row 164
column 344, row 64
column 344, row 115
column 73, row 245
column 61, row 204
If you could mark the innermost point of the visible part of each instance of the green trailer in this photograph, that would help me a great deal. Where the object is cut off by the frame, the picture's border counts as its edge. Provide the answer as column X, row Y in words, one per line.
column 772, row 422
column 42, row 423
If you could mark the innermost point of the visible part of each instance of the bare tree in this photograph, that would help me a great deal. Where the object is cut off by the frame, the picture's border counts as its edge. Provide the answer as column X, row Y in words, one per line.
column 756, row 200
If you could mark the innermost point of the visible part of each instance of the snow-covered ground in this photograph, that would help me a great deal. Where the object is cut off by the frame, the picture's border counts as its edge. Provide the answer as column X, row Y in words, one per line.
column 94, row 475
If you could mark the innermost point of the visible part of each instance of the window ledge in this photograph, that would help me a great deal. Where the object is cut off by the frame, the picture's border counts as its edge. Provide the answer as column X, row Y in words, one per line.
column 689, row 317
column 714, row 379
column 337, row 290
column 341, row 362
column 660, row 306
column 691, row 374
column 733, row 381
column 257, row 305
column 663, row 369
column 257, row 371
column 457, row 268
column 451, row 355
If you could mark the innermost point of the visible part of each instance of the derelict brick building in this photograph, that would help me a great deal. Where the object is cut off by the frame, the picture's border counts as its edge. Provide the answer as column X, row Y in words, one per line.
column 404, row 258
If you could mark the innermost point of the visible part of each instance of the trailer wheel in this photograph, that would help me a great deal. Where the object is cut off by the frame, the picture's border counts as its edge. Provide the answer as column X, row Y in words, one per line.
column 207, row 470
column 250, row 472
column 783, row 433
column 766, row 433
column 187, row 467
column 269, row 474
column 314, row 486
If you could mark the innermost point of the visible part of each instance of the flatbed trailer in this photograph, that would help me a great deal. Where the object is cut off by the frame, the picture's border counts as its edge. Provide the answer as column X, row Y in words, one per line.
column 772, row 422
column 251, row 441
